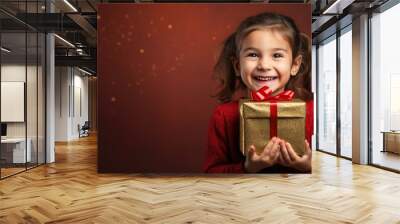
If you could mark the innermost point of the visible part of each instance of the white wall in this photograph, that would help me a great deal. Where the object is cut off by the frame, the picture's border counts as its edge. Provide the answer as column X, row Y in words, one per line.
column 71, row 93
column 13, row 72
column 62, row 80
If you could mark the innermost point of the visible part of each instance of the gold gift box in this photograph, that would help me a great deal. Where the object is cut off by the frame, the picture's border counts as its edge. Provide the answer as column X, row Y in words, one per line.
column 255, row 124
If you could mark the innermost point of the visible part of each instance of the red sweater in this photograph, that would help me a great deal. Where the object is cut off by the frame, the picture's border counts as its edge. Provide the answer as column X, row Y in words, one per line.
column 223, row 154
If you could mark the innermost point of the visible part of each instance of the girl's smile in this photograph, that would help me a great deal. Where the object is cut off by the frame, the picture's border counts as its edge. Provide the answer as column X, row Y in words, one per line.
column 264, row 78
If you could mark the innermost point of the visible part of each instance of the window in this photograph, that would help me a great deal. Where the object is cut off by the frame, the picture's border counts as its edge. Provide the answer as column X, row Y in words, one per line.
column 385, row 88
column 22, row 78
column 327, row 95
column 346, row 92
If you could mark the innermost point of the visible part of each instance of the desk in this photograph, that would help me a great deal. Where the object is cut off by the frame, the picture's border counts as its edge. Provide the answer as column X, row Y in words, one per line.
column 13, row 150
column 391, row 141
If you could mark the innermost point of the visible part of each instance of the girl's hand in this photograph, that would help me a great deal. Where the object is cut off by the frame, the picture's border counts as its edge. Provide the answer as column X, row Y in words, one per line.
column 267, row 158
column 288, row 157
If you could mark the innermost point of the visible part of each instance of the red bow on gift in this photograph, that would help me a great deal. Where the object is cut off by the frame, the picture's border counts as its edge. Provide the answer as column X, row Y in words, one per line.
column 264, row 94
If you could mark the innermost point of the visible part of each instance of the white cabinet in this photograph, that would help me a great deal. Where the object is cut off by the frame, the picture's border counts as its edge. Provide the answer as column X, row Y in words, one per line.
column 16, row 147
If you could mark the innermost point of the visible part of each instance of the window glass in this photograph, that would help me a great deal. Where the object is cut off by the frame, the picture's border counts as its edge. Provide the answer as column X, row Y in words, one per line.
column 327, row 95
column 346, row 93
column 385, row 89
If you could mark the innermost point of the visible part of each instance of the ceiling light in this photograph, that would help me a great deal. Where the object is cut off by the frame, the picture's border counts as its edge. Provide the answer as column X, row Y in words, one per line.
column 84, row 71
column 5, row 50
column 70, row 5
column 64, row 40
column 337, row 7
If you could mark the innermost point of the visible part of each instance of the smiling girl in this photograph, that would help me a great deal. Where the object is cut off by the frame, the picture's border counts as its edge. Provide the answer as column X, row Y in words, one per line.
column 266, row 50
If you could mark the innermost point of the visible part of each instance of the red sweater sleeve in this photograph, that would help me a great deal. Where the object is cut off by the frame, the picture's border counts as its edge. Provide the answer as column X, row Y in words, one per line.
column 218, row 150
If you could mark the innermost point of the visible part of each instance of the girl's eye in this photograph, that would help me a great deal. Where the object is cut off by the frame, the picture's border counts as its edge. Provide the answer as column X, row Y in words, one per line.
column 278, row 55
column 252, row 55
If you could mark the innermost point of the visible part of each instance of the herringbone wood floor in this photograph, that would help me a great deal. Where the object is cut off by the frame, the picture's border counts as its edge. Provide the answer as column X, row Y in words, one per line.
column 71, row 191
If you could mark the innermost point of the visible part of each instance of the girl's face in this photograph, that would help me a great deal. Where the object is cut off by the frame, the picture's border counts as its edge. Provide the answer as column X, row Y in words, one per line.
column 266, row 60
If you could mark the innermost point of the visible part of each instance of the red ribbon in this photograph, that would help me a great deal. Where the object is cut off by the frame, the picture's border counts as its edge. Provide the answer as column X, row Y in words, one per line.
column 264, row 94
column 273, row 120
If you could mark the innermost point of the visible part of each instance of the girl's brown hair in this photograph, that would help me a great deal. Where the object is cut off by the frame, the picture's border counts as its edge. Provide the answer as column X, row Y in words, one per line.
column 299, row 42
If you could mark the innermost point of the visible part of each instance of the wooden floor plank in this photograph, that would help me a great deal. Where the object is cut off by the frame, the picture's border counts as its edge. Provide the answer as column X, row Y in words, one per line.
column 71, row 191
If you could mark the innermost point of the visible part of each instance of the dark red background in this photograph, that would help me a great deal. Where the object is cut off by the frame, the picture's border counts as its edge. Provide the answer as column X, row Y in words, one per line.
column 155, row 66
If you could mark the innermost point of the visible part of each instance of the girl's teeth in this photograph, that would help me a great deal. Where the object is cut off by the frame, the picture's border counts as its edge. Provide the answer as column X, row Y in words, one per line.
column 265, row 78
